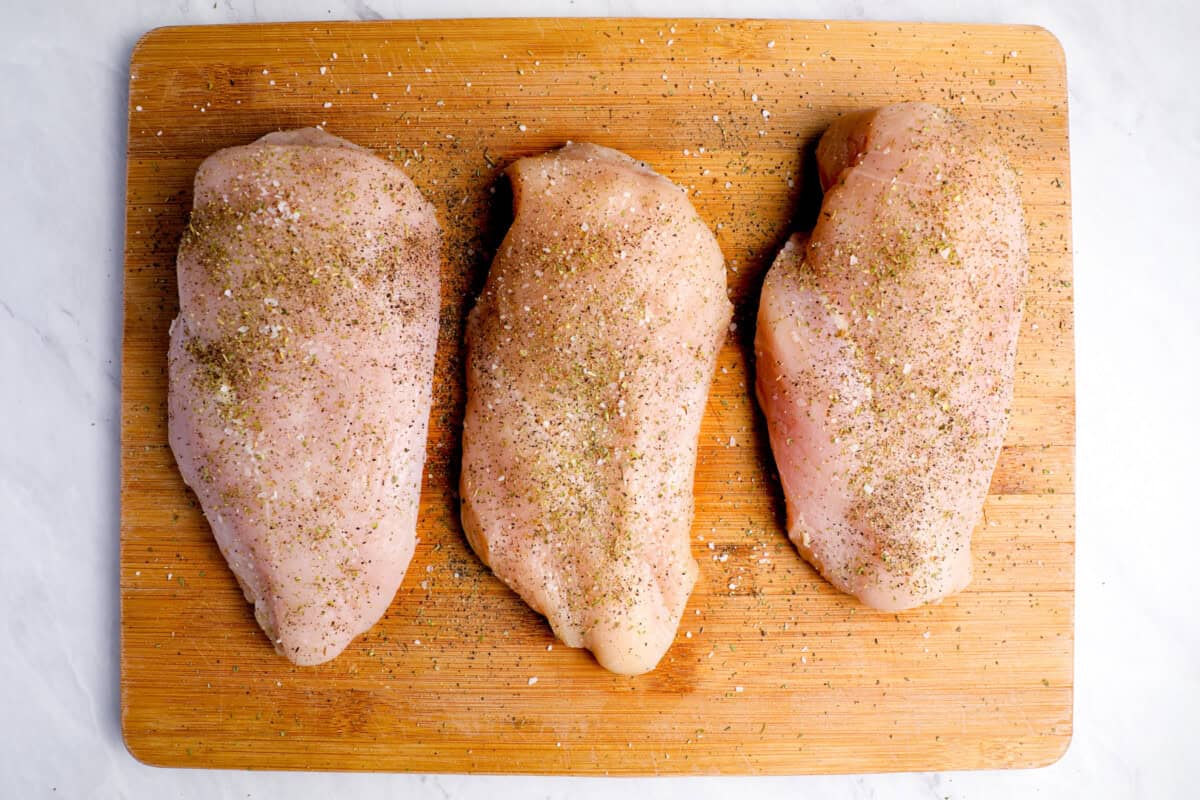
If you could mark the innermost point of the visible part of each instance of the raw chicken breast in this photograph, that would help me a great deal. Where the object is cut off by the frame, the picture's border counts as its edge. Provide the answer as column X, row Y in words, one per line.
column 300, row 378
column 885, row 350
column 590, row 354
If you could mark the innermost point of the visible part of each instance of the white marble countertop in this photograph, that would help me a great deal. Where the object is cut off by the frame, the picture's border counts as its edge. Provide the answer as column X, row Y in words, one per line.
column 1135, row 125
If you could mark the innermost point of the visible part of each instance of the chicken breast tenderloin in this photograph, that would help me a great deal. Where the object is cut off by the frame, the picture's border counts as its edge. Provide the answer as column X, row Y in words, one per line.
column 300, row 371
column 590, row 354
column 885, row 352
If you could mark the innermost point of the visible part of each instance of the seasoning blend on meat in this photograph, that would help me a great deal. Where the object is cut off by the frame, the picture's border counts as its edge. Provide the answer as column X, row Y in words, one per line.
column 301, row 368
column 885, row 352
column 589, row 359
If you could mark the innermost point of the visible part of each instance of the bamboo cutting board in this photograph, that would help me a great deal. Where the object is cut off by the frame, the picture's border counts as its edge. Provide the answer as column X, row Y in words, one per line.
column 772, row 671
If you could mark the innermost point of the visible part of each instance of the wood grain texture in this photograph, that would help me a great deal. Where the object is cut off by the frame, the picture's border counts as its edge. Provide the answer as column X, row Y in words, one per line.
column 772, row 671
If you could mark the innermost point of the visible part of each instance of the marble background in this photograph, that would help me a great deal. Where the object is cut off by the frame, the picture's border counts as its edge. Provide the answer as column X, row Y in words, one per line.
column 1135, row 124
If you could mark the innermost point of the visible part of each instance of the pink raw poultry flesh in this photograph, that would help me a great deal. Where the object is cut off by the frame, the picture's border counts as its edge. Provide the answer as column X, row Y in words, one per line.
column 885, row 352
column 590, row 354
column 300, row 378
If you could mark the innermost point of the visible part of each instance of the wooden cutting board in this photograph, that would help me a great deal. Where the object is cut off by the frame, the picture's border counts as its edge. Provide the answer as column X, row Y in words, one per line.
column 772, row 671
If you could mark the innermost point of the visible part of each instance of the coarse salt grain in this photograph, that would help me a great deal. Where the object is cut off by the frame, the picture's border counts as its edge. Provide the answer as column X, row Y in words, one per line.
column 533, row 681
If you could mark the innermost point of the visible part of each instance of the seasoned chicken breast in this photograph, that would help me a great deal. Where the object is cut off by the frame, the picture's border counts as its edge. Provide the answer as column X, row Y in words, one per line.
column 300, row 378
column 590, row 354
column 885, row 350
